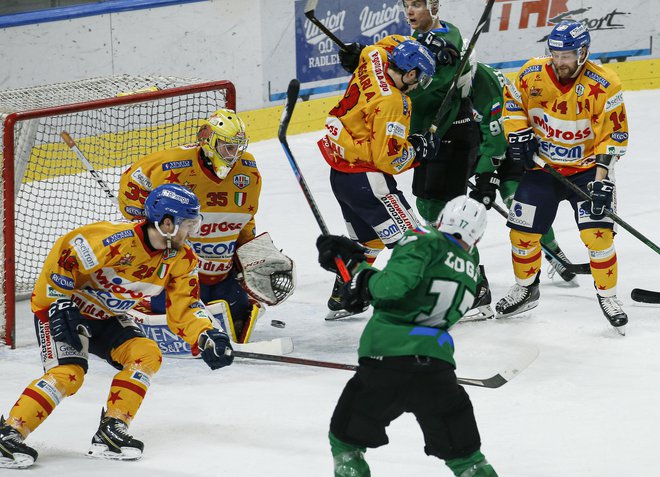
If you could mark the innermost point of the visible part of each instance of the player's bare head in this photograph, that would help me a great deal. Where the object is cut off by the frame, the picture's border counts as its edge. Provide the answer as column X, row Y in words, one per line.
column 223, row 140
column 568, row 47
column 420, row 14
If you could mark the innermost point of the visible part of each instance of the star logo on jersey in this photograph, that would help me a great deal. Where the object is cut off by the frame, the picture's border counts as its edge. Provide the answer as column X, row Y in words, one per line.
column 256, row 174
column 595, row 90
column 173, row 178
column 114, row 251
column 190, row 255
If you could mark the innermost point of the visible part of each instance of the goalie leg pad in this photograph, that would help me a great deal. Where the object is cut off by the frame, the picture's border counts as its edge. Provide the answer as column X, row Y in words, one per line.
column 267, row 275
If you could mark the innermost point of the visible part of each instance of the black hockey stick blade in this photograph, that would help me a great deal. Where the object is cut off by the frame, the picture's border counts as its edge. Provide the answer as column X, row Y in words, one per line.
column 495, row 381
column 291, row 98
column 645, row 296
column 446, row 102
column 309, row 13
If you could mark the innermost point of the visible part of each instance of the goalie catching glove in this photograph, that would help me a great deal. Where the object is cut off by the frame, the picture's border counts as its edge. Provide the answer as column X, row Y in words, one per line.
column 266, row 274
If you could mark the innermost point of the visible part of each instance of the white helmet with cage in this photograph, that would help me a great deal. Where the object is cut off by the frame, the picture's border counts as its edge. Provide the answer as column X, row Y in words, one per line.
column 431, row 5
column 465, row 218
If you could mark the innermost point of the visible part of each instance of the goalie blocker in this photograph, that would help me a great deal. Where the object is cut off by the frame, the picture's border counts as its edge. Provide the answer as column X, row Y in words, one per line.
column 266, row 274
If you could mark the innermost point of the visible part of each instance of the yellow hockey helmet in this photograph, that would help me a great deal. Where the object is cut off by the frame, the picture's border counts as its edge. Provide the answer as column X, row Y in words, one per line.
column 223, row 139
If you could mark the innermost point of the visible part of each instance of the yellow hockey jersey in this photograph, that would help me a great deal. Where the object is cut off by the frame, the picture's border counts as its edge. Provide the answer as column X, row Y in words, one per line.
column 107, row 268
column 368, row 129
column 228, row 206
column 574, row 122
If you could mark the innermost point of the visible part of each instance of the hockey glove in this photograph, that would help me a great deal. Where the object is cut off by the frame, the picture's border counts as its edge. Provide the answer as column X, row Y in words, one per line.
column 350, row 57
column 425, row 146
column 444, row 52
column 522, row 147
column 216, row 348
column 601, row 193
column 355, row 295
column 331, row 246
column 66, row 323
column 487, row 184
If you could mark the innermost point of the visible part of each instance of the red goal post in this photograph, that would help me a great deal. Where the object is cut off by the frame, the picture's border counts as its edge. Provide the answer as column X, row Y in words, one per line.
column 47, row 191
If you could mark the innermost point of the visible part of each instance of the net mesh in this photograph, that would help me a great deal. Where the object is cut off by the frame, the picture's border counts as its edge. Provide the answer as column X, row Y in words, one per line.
column 54, row 192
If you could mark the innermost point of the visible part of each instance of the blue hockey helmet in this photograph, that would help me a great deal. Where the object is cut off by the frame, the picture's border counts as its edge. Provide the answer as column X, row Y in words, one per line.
column 569, row 35
column 174, row 200
column 409, row 55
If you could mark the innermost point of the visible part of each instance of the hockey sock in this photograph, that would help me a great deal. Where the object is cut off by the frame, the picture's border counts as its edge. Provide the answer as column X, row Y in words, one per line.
column 430, row 209
column 41, row 397
column 549, row 241
column 602, row 258
column 348, row 459
column 474, row 465
column 141, row 359
column 374, row 247
column 526, row 256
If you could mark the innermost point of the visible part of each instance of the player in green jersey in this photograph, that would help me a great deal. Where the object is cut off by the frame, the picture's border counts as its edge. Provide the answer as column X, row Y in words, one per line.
column 406, row 355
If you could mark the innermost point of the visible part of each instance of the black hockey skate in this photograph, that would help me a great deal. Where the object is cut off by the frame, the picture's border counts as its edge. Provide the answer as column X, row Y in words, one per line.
column 557, row 267
column 611, row 308
column 518, row 300
column 112, row 441
column 481, row 309
column 14, row 454
column 334, row 303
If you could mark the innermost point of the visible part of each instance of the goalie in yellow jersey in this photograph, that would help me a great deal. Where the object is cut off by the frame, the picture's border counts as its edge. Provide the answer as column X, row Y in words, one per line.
column 238, row 271
column 92, row 277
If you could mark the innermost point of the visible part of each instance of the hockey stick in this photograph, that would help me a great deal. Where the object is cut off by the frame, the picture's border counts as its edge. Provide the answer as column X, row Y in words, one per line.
column 291, row 97
column 495, row 381
column 88, row 165
column 548, row 168
column 645, row 296
column 309, row 13
column 446, row 102
column 577, row 268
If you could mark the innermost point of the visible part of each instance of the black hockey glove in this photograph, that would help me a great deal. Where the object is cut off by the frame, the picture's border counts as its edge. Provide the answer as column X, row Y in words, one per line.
column 355, row 295
column 487, row 184
column 216, row 348
column 66, row 323
column 601, row 193
column 350, row 57
column 331, row 246
column 444, row 52
column 425, row 145
column 522, row 147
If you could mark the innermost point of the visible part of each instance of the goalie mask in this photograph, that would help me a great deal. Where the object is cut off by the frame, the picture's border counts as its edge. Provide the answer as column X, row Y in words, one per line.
column 464, row 218
column 266, row 274
column 223, row 140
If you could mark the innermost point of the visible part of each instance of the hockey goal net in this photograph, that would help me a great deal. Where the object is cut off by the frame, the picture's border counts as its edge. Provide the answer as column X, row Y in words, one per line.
column 47, row 191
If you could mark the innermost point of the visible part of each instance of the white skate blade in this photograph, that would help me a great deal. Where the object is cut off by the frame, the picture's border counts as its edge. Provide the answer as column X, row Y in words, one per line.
column 20, row 461
column 619, row 330
column 526, row 307
column 100, row 451
column 480, row 313
column 339, row 314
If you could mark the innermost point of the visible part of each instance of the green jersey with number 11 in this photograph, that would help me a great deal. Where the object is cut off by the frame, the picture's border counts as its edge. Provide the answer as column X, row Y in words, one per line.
column 427, row 285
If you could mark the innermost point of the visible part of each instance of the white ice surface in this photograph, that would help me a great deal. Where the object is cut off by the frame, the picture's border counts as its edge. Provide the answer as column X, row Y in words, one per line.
column 588, row 406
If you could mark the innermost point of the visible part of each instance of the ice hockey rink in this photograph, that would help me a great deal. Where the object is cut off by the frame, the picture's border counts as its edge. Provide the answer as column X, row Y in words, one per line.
column 587, row 407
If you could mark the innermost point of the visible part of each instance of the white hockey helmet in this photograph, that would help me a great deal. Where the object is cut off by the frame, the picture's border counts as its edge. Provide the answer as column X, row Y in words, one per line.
column 465, row 218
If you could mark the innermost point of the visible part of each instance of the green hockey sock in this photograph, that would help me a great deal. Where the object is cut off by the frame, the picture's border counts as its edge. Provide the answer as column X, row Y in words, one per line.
column 430, row 209
column 474, row 465
column 348, row 459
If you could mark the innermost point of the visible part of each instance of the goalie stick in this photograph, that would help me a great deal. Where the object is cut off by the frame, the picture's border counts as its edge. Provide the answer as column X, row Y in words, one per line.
column 645, row 296
column 577, row 268
column 66, row 137
column 495, row 381
column 291, row 98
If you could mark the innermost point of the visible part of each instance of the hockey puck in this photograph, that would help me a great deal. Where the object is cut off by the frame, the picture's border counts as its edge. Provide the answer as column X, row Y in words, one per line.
column 277, row 323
